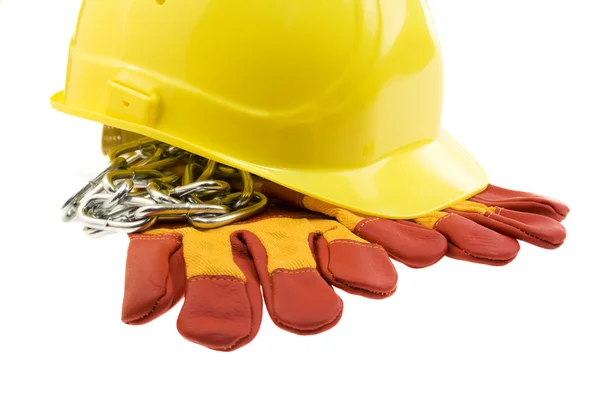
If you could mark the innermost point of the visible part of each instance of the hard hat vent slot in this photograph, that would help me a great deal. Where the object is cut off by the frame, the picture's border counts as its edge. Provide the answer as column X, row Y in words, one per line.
column 160, row 2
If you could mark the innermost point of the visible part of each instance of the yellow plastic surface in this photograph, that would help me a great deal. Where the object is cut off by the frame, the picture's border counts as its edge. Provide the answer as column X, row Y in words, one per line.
column 339, row 99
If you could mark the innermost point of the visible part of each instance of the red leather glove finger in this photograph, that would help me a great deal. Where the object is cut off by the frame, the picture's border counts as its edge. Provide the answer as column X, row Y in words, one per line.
column 522, row 201
column 469, row 241
column 535, row 229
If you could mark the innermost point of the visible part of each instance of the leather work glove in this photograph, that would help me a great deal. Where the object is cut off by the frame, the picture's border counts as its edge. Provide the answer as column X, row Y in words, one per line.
column 295, row 256
column 485, row 229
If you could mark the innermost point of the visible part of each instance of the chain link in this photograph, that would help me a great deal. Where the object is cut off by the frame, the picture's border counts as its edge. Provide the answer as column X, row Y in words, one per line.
column 147, row 181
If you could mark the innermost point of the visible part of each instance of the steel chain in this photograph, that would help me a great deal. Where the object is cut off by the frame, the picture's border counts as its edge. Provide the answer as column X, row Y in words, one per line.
column 147, row 181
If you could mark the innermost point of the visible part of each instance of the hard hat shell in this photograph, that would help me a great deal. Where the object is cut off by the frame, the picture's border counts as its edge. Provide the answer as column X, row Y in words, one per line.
column 339, row 99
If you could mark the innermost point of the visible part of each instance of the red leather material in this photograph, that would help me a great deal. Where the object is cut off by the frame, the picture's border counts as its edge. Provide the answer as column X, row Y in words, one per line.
column 225, row 312
column 522, row 201
column 302, row 302
column 538, row 230
column 154, row 277
column 405, row 241
column 217, row 313
column 221, row 312
column 521, row 215
column 299, row 301
column 360, row 268
column 470, row 241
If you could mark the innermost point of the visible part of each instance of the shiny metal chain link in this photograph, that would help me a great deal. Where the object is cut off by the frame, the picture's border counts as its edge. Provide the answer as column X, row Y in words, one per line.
column 147, row 180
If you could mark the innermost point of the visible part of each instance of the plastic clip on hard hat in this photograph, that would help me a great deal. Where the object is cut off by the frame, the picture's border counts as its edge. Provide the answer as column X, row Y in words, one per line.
column 340, row 100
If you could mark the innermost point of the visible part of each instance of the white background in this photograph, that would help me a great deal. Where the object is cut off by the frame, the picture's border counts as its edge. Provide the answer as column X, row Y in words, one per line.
column 522, row 94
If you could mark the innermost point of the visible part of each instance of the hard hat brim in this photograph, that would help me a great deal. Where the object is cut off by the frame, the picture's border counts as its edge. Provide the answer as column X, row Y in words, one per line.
column 408, row 183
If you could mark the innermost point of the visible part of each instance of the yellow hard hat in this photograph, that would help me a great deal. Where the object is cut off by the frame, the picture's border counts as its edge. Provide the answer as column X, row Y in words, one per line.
column 339, row 99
